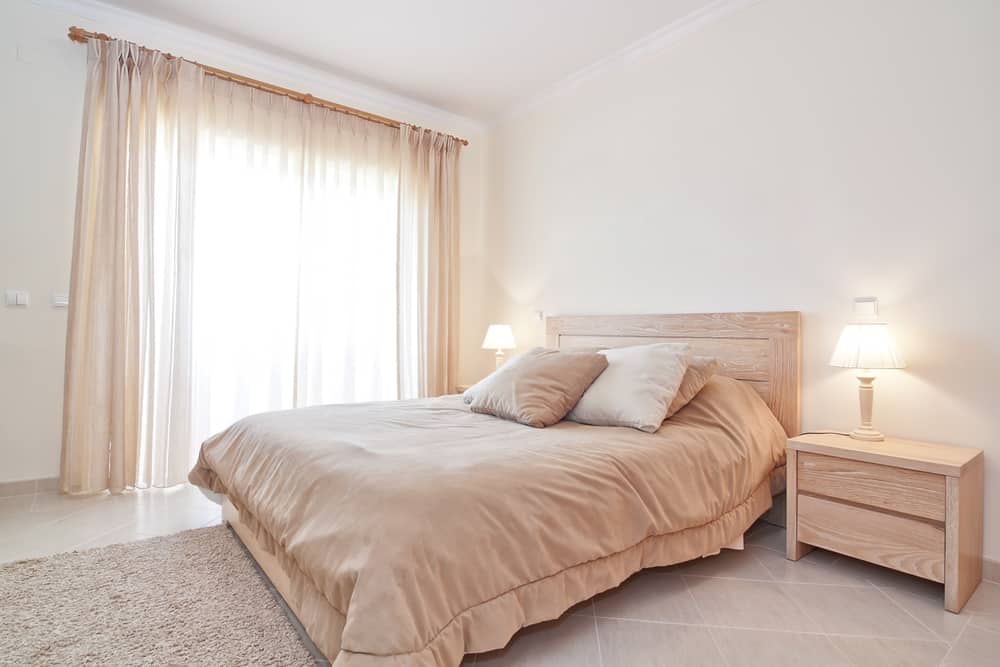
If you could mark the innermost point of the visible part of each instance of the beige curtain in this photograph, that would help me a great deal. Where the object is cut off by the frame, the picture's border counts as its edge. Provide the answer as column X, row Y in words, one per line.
column 135, row 163
column 236, row 252
column 428, row 273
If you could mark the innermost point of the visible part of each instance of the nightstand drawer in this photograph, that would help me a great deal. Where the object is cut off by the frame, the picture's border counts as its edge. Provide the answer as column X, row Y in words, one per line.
column 909, row 545
column 907, row 491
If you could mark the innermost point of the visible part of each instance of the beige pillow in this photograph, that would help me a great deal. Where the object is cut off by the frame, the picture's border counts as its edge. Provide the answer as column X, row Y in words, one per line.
column 699, row 371
column 537, row 388
column 469, row 394
column 636, row 389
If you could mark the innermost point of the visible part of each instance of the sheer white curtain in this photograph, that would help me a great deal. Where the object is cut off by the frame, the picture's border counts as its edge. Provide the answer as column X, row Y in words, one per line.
column 295, row 257
column 237, row 252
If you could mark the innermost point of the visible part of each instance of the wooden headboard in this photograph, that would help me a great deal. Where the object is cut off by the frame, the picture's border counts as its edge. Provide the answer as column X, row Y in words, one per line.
column 761, row 349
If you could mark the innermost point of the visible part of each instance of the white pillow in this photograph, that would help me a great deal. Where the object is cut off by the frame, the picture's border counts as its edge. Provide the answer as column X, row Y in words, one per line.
column 636, row 388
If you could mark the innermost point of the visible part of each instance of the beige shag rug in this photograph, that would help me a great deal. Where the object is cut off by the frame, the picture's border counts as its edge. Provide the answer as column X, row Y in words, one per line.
column 194, row 598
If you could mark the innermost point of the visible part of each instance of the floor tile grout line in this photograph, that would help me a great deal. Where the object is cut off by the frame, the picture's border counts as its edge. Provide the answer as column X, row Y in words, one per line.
column 837, row 648
column 819, row 633
column 694, row 601
column 972, row 621
column 82, row 545
column 763, row 565
column 701, row 616
column 142, row 533
column 953, row 644
column 836, row 557
column 758, row 580
column 77, row 546
column 805, row 564
column 718, row 649
column 805, row 613
column 21, row 495
column 907, row 612
column 779, row 581
column 764, row 546
column 67, row 516
column 597, row 633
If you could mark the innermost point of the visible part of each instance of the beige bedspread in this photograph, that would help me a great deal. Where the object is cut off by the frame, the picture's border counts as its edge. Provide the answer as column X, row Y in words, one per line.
column 416, row 531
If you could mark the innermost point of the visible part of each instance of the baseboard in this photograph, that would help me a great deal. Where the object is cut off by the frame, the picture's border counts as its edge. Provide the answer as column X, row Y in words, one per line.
column 27, row 487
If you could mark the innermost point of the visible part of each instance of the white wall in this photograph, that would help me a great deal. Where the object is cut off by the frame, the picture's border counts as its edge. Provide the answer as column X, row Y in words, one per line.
column 792, row 155
column 42, row 75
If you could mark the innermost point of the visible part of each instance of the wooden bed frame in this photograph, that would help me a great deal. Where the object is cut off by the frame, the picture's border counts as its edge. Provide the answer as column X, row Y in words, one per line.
column 759, row 348
column 762, row 349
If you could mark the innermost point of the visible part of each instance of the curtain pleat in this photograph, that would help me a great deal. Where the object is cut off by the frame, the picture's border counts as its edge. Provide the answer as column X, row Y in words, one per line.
column 428, row 263
column 295, row 264
column 130, row 108
column 237, row 251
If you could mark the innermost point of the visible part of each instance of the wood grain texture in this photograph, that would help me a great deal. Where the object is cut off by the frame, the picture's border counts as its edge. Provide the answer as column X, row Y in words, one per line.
column 763, row 349
column 742, row 358
column 794, row 549
column 898, row 489
column 964, row 536
column 906, row 544
column 896, row 452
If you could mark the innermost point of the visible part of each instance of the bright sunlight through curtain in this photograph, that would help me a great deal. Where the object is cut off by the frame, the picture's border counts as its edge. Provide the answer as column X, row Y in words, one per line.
column 237, row 252
column 295, row 257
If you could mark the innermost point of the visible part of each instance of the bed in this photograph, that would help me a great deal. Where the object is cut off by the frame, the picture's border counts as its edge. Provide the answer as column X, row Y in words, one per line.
column 413, row 532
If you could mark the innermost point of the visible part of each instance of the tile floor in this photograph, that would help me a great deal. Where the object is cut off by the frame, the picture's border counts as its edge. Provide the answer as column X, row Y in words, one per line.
column 46, row 523
column 753, row 607
column 748, row 607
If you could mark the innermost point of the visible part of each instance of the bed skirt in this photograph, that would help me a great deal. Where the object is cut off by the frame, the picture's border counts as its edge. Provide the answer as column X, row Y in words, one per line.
column 491, row 624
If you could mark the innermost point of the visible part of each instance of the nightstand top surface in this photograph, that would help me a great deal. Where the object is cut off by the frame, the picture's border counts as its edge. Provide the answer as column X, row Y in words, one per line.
column 911, row 454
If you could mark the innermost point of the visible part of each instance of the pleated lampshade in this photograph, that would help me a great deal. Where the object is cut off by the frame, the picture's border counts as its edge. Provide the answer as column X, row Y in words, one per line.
column 866, row 345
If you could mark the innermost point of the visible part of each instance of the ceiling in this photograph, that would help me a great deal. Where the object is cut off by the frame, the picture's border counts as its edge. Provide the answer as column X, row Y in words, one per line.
column 471, row 57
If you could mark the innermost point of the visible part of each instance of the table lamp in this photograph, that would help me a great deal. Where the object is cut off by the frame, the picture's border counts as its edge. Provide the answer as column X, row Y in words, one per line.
column 499, row 337
column 866, row 345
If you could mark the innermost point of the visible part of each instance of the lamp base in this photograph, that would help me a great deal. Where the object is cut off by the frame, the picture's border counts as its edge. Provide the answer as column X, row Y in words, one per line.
column 868, row 434
column 866, row 392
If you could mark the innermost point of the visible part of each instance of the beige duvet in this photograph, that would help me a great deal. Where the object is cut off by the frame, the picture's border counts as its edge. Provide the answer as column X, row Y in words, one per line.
column 416, row 531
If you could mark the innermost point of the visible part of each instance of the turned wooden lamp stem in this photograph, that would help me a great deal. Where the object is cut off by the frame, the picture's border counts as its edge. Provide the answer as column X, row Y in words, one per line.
column 866, row 344
column 866, row 396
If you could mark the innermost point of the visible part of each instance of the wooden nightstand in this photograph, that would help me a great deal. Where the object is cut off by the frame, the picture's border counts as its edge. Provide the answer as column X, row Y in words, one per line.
column 911, row 506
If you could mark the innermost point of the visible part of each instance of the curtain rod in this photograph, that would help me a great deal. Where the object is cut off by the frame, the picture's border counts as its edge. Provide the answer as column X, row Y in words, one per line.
column 83, row 36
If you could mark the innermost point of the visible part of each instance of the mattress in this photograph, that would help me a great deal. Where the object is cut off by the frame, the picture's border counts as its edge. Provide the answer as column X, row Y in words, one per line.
column 414, row 532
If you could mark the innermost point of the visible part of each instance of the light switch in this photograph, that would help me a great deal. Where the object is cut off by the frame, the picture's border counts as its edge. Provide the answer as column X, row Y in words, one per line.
column 17, row 298
column 60, row 300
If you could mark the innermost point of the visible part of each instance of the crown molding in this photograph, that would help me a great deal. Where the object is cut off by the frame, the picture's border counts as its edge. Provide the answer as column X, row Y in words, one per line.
column 635, row 52
column 228, row 54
